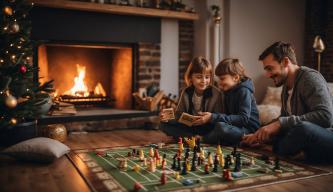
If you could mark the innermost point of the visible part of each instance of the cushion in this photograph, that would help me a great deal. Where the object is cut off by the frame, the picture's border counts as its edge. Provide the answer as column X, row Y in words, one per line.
column 267, row 113
column 273, row 96
column 40, row 149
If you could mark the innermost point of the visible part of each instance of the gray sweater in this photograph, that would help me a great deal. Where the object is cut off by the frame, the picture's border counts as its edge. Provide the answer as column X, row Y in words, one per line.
column 310, row 101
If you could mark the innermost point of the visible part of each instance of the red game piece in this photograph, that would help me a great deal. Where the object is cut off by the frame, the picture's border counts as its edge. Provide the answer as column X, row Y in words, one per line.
column 163, row 178
column 137, row 186
column 100, row 153
column 206, row 168
column 180, row 140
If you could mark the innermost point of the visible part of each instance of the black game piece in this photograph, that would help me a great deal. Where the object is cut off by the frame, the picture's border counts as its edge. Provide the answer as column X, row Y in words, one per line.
column 277, row 163
column 216, row 163
column 199, row 161
column 178, row 164
column 187, row 153
column 227, row 162
column 174, row 162
column 184, row 170
column 194, row 166
column 238, row 163
column 233, row 153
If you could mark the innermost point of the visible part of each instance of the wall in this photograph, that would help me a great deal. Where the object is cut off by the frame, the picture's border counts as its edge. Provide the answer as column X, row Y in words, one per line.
column 319, row 21
column 248, row 27
column 169, row 56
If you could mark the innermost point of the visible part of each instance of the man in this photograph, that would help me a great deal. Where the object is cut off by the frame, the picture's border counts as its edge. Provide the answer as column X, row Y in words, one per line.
column 304, row 125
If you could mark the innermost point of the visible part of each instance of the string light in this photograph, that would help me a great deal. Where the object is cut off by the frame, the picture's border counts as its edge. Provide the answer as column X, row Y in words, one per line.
column 13, row 56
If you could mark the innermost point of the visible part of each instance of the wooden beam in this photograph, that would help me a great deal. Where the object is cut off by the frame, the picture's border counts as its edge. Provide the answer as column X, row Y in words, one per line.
column 115, row 9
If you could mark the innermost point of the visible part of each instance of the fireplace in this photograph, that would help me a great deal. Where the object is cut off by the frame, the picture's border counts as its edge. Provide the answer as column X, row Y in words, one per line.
column 90, row 75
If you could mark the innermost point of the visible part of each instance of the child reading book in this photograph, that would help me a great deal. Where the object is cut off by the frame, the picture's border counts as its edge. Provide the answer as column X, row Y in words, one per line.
column 199, row 96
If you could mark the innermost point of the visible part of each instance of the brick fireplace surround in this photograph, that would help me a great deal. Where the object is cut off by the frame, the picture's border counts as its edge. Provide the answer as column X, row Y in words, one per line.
column 72, row 26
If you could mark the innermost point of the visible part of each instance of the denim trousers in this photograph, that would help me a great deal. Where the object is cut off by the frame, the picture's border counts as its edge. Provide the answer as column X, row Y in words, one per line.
column 175, row 129
column 315, row 141
column 225, row 134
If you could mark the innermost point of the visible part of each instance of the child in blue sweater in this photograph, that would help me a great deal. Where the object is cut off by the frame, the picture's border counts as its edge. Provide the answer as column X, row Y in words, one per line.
column 240, row 115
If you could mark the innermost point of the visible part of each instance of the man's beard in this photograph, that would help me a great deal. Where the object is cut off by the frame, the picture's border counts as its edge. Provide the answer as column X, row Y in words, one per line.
column 281, row 79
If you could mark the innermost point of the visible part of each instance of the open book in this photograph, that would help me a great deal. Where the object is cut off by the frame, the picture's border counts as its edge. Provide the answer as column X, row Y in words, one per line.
column 187, row 119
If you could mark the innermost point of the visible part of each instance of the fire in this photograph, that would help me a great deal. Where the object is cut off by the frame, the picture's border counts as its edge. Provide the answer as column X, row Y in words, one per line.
column 80, row 89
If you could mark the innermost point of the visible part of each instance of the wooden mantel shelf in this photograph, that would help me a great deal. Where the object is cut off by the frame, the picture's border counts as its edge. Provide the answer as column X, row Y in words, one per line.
column 115, row 9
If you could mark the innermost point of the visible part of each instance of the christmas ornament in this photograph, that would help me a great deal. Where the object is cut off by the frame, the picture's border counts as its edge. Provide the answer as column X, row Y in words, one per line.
column 14, row 28
column 13, row 121
column 8, row 10
column 23, row 69
column 10, row 100
column 55, row 131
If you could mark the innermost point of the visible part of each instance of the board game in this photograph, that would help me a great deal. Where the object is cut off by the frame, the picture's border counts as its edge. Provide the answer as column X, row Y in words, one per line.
column 184, row 166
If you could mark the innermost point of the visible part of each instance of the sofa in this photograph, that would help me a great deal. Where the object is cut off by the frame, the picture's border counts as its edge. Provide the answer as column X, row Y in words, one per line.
column 270, row 107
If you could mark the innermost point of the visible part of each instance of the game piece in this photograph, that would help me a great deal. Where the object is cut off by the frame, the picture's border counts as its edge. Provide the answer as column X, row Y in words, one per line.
column 202, row 154
column 237, row 174
column 163, row 164
column 134, row 152
column 174, row 162
column 178, row 164
column 227, row 175
column 151, row 152
column 187, row 153
column 238, row 162
column 199, row 161
column 160, row 145
column 180, row 147
column 210, row 159
column 194, row 166
column 216, row 162
column 252, row 161
column 136, row 168
column 198, row 143
column 156, row 154
column 190, row 142
column 221, row 160
column 227, row 162
column 163, row 178
column 184, row 169
column 177, row 176
column 232, row 160
column 218, row 150
column 187, row 182
column 100, row 153
column 152, row 165
column 122, row 164
column 206, row 168
column 137, row 186
column 234, row 151
column 129, row 154
column 141, row 155
column 188, row 165
column 277, row 163
column 180, row 140
column 145, row 162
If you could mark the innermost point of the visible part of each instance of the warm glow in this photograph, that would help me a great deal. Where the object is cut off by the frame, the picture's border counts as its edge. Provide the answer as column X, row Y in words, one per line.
column 99, row 90
column 80, row 88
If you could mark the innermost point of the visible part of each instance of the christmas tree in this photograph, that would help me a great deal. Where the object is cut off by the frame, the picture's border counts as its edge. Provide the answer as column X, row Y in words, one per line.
column 20, row 96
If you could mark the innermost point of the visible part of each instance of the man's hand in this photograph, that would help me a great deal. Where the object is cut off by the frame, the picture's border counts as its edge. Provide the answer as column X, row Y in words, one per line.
column 204, row 117
column 263, row 134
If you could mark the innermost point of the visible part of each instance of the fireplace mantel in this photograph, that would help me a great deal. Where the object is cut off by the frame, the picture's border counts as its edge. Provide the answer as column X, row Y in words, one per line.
column 115, row 9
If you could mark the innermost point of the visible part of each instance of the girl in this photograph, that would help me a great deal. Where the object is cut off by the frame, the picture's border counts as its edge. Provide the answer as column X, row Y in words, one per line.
column 198, row 96
column 241, row 114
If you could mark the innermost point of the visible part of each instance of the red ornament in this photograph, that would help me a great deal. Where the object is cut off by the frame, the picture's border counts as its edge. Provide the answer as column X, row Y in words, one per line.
column 23, row 69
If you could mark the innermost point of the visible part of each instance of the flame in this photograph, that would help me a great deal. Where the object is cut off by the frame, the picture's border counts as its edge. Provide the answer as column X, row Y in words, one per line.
column 80, row 89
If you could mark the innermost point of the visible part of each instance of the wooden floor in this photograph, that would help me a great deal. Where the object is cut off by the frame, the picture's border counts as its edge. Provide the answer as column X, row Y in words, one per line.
column 62, row 176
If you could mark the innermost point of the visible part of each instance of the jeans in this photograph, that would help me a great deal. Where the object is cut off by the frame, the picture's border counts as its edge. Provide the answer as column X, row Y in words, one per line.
column 225, row 134
column 175, row 129
column 316, row 142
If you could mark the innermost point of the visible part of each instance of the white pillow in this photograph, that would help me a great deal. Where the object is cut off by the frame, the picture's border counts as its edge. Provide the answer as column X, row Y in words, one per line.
column 40, row 149
column 273, row 96
column 267, row 113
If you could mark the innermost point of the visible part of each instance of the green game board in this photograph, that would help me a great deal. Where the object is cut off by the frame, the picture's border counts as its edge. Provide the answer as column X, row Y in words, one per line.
column 102, row 172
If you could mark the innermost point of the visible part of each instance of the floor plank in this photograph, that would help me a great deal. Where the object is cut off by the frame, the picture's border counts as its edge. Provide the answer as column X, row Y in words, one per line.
column 61, row 175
